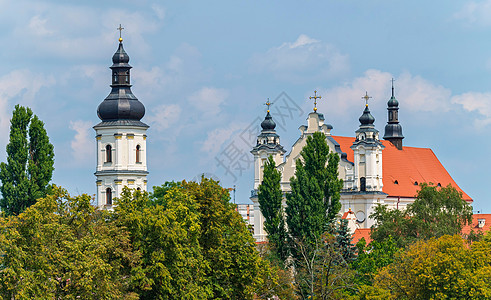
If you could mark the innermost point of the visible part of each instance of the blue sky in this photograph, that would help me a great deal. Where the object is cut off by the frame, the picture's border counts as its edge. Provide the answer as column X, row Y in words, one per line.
column 204, row 70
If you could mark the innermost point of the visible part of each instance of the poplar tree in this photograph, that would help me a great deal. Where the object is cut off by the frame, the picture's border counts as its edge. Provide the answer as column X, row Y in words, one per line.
column 30, row 158
column 270, row 202
column 313, row 203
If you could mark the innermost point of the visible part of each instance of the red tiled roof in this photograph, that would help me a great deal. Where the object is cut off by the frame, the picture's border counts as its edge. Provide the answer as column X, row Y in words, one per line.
column 475, row 222
column 361, row 233
column 406, row 167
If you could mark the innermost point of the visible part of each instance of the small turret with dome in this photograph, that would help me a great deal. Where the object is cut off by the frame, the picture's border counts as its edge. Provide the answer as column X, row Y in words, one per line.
column 367, row 153
column 367, row 132
column 268, row 143
column 393, row 130
column 268, row 137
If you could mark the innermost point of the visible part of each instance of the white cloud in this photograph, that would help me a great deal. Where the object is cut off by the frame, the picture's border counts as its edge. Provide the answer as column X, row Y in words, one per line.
column 164, row 116
column 91, row 30
column 81, row 151
column 478, row 13
column 476, row 102
column 37, row 25
column 414, row 92
column 159, row 11
column 208, row 100
column 217, row 137
column 302, row 60
column 420, row 94
column 342, row 99
column 23, row 85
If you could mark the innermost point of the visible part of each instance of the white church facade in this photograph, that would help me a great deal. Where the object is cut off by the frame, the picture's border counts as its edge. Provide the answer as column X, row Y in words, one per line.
column 374, row 171
column 120, row 137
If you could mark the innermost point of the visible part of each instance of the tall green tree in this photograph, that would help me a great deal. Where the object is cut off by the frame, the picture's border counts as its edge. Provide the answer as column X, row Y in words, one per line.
column 30, row 159
column 435, row 212
column 270, row 202
column 313, row 203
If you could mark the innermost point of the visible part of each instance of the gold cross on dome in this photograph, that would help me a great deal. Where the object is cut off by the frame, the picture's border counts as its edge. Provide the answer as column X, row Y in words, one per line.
column 315, row 97
column 366, row 97
column 268, row 104
column 120, row 29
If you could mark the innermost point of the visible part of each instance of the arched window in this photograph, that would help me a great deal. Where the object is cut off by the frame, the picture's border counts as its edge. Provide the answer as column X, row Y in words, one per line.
column 108, row 153
column 363, row 184
column 115, row 78
column 138, row 153
column 127, row 77
column 109, row 196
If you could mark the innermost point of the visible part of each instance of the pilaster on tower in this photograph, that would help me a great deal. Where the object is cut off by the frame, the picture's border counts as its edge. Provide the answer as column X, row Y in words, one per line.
column 120, row 136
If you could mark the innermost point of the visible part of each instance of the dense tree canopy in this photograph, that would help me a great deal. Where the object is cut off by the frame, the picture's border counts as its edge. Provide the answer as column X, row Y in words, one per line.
column 63, row 248
column 443, row 268
column 194, row 245
column 435, row 212
column 30, row 158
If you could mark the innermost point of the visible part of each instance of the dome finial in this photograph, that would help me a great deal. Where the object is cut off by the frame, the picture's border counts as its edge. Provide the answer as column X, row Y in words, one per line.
column 315, row 97
column 392, row 80
column 366, row 97
column 120, row 29
column 268, row 124
column 268, row 104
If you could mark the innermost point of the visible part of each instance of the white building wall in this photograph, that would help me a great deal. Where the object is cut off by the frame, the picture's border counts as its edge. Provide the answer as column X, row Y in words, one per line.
column 123, row 169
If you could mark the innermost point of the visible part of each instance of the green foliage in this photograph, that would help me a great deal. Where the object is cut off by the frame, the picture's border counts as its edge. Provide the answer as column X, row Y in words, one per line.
column 373, row 257
column 313, row 203
column 434, row 213
column 194, row 245
column 270, row 201
column 166, row 235
column 30, row 158
column 233, row 263
column 343, row 242
column 443, row 268
column 63, row 248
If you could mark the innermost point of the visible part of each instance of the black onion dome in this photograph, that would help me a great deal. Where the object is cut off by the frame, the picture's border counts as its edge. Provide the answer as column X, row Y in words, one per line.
column 393, row 102
column 121, row 104
column 367, row 118
column 120, row 57
column 268, row 123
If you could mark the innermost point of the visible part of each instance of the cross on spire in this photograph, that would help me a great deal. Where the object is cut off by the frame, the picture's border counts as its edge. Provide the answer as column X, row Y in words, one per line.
column 268, row 104
column 120, row 29
column 392, row 80
column 366, row 97
column 315, row 97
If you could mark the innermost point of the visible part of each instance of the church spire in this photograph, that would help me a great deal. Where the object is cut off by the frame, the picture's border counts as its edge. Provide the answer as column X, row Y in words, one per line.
column 121, row 105
column 393, row 130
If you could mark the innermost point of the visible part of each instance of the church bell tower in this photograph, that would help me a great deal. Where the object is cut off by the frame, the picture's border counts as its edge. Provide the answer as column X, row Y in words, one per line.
column 120, row 136
column 367, row 150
